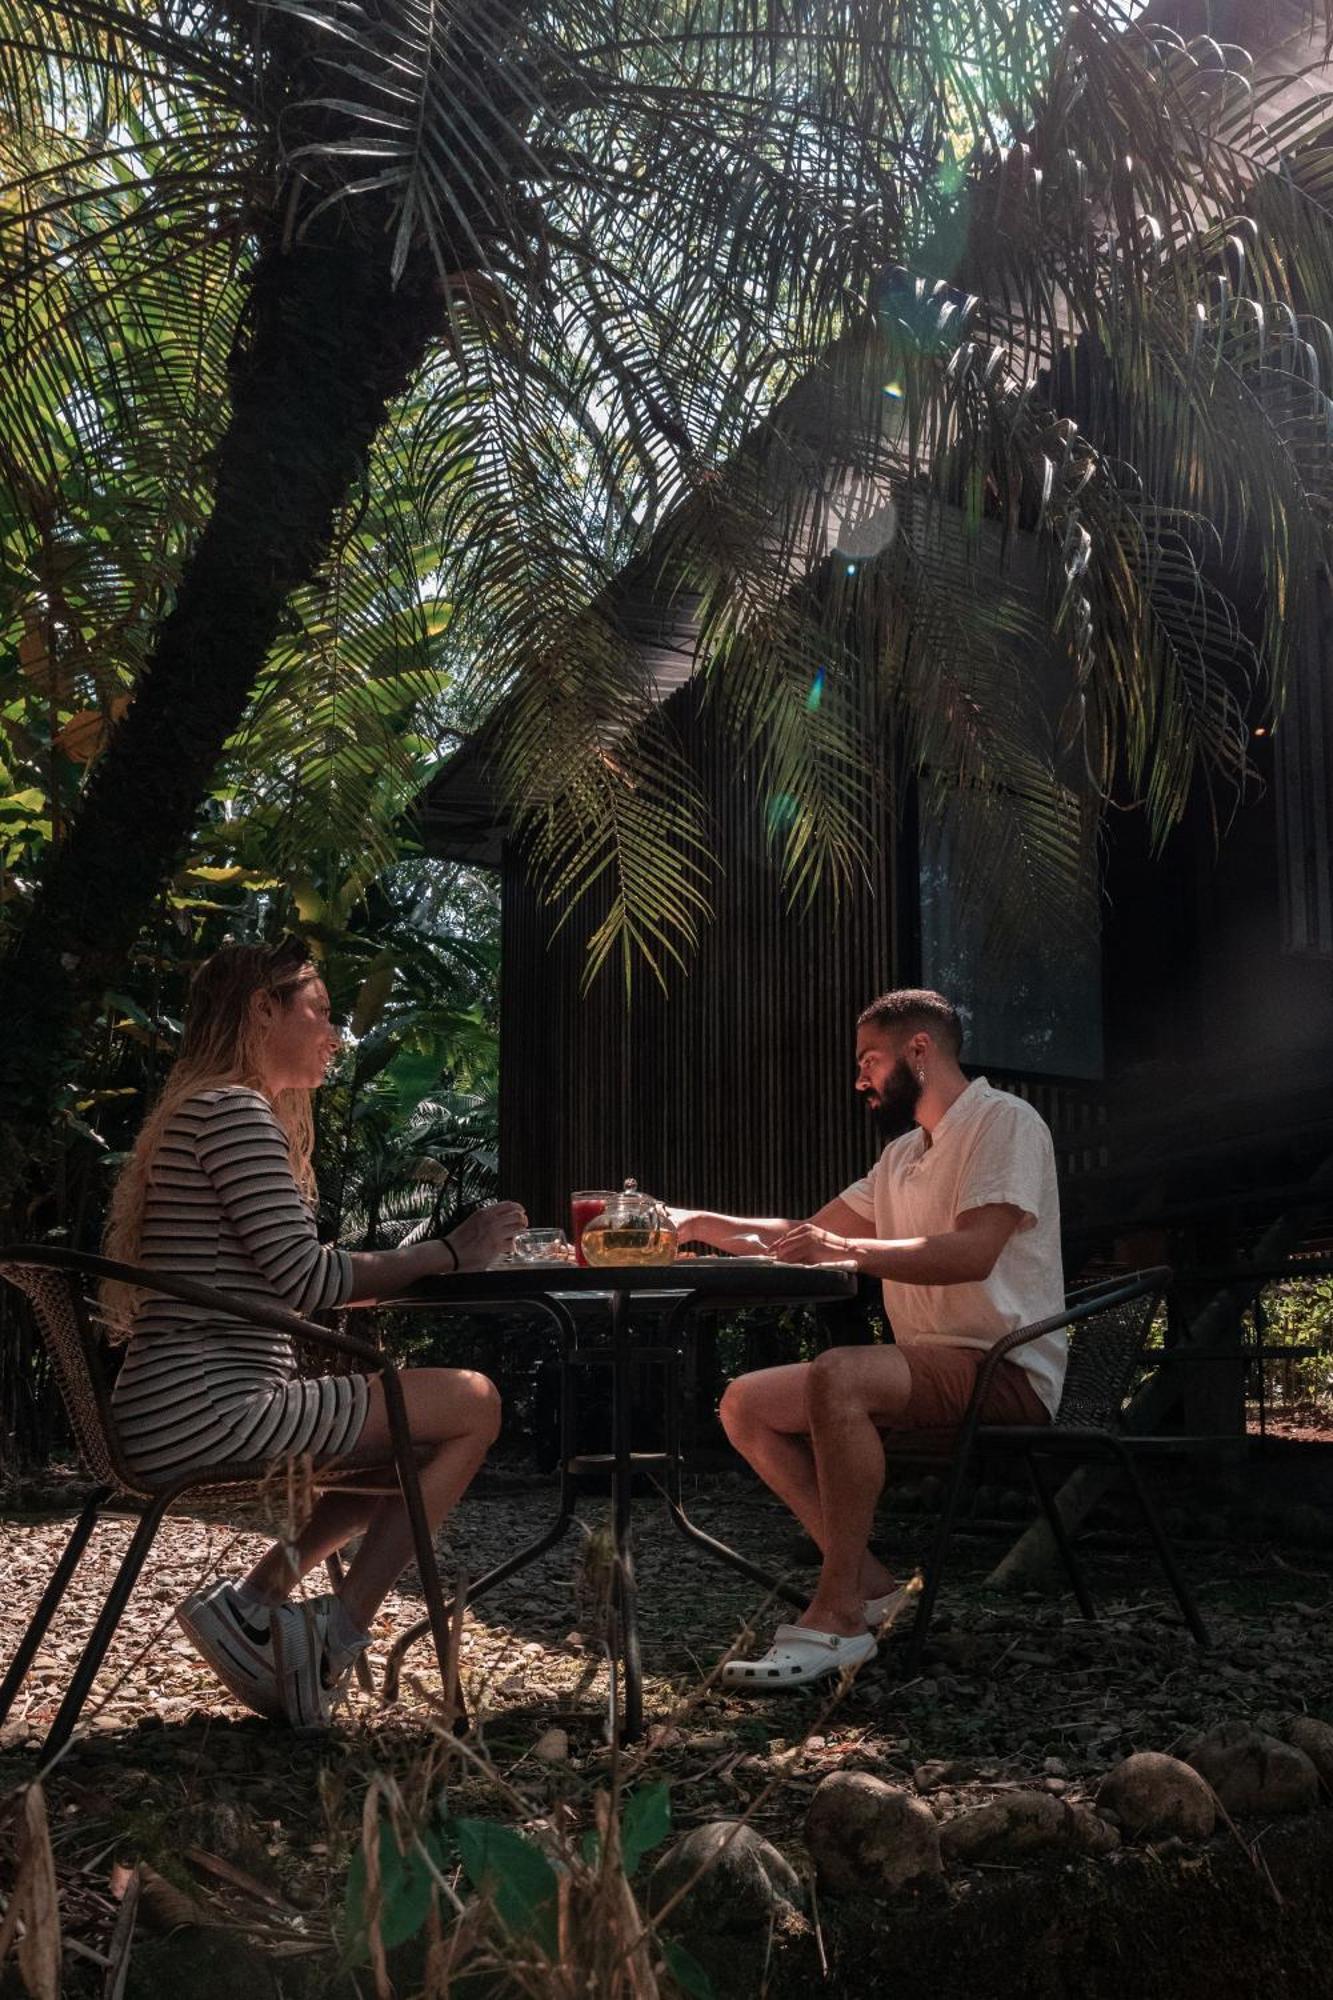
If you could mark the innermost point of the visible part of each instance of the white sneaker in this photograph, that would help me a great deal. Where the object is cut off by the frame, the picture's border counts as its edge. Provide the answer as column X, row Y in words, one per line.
column 311, row 1676
column 237, row 1643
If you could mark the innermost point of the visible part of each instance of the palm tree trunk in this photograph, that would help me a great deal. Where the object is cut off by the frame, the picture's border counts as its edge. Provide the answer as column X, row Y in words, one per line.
column 326, row 342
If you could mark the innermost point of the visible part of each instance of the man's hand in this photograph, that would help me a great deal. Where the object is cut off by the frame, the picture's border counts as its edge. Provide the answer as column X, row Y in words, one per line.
column 806, row 1243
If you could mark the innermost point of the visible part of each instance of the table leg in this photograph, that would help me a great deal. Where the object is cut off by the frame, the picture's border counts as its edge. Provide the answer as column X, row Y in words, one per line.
column 560, row 1526
column 674, row 1497
column 629, row 1717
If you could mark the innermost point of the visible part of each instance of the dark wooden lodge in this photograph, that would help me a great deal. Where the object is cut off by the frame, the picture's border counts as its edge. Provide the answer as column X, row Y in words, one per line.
column 1183, row 1053
column 1184, row 1058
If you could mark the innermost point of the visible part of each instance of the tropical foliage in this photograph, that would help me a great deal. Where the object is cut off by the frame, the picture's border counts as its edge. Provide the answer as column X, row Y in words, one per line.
column 360, row 352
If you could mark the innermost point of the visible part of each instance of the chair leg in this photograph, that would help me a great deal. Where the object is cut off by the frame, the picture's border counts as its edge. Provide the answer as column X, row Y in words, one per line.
column 422, row 1540
column 50, row 1600
column 333, row 1564
column 104, row 1629
column 925, row 1609
column 1165, row 1555
column 1050, row 1507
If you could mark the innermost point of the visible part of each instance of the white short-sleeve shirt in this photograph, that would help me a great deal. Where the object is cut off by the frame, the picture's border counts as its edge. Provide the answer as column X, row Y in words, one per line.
column 990, row 1146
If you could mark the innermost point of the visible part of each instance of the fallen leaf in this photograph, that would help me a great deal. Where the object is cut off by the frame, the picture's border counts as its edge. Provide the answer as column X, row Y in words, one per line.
column 34, row 1904
column 227, row 1871
column 168, row 1908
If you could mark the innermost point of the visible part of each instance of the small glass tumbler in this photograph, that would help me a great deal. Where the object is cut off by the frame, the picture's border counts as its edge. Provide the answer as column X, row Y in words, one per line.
column 541, row 1246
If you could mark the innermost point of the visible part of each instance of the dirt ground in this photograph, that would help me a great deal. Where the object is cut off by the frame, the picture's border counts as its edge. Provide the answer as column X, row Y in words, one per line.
column 246, row 1820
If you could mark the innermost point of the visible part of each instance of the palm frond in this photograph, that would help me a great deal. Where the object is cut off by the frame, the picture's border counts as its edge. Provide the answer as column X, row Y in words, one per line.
column 714, row 282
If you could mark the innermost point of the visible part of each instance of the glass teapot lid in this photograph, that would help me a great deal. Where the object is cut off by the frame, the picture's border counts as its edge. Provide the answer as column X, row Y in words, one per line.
column 630, row 1207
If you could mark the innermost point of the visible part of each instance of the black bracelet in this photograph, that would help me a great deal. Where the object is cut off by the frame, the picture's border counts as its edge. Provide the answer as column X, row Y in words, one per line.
column 453, row 1253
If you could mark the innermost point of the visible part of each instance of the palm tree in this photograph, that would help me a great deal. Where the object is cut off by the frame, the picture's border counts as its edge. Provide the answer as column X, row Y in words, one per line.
column 721, row 292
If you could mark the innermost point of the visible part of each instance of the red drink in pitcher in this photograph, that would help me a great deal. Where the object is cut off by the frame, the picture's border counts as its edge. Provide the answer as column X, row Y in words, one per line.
column 582, row 1208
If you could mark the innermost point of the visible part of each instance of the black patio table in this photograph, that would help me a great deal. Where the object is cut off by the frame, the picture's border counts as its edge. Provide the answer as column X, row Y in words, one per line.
column 691, row 1285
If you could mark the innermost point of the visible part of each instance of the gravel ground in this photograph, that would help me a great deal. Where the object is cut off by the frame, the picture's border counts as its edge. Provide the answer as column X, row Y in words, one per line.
column 1005, row 1678
column 255, row 1827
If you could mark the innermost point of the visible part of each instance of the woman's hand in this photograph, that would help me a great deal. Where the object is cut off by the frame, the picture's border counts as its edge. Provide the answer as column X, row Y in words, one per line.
column 486, row 1234
column 741, row 1235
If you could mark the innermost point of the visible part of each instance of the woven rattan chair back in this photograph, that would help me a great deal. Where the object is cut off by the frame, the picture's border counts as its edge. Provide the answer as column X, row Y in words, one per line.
column 1104, row 1355
column 61, row 1310
column 63, row 1289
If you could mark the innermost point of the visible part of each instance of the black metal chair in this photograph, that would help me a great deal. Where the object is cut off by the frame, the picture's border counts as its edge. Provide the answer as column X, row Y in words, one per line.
column 1108, row 1326
column 62, row 1289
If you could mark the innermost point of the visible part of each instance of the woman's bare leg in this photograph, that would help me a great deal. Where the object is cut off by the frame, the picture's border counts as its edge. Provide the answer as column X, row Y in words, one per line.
column 452, row 1409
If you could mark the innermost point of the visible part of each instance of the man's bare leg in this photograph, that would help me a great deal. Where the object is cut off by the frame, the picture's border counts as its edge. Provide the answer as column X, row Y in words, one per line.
column 765, row 1415
column 850, row 1392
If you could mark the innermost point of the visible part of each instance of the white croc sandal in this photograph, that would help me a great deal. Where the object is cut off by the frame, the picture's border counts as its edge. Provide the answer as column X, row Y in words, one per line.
column 887, row 1610
column 798, row 1656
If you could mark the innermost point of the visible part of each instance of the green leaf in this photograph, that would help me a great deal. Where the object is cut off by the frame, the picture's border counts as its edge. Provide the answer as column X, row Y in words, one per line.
column 645, row 1823
column 24, row 803
column 130, row 1008
column 374, row 994
column 406, row 1885
column 502, row 1863
column 411, row 1074
column 251, row 877
column 687, row 1972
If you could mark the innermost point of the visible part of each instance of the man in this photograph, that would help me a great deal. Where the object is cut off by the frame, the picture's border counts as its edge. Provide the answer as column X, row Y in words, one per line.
column 960, row 1218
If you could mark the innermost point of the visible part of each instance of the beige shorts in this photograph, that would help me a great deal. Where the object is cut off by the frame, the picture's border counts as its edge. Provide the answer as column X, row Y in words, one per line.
column 943, row 1379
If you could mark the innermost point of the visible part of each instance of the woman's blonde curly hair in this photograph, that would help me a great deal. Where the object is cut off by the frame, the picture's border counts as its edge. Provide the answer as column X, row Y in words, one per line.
column 221, row 1045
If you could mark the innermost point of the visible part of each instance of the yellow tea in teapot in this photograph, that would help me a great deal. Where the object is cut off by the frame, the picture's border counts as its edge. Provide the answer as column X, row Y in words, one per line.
column 637, row 1242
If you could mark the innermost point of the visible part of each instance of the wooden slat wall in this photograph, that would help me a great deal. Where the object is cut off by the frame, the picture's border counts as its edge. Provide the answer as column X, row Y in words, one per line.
column 732, row 1090
column 1304, row 747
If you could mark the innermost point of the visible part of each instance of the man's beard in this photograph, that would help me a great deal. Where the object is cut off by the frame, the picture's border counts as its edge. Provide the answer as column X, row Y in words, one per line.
column 894, row 1107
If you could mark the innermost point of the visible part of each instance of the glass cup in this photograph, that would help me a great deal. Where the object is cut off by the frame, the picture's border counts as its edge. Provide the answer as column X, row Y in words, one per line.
column 582, row 1208
column 541, row 1246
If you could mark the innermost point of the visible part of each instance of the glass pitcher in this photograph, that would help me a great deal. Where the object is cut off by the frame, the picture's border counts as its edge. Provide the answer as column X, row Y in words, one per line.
column 633, row 1228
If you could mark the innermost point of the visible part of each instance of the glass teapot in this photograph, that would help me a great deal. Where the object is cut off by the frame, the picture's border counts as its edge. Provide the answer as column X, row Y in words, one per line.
column 633, row 1228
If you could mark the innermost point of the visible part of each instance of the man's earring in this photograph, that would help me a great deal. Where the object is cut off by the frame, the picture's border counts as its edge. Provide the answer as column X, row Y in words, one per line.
column 921, row 1078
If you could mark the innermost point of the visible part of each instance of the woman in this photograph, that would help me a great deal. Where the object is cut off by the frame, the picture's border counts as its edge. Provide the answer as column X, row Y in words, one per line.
column 220, row 1189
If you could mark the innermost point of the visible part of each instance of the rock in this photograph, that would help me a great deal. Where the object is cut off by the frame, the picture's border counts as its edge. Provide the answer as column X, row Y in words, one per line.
column 552, row 1746
column 1025, row 1823
column 1154, row 1796
column 869, row 1838
column 226, row 1829
column 743, row 1882
column 939, row 1771
column 1315, row 1738
column 1253, row 1772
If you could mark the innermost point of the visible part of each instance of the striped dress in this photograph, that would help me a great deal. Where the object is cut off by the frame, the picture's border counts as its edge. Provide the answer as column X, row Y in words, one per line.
column 224, row 1209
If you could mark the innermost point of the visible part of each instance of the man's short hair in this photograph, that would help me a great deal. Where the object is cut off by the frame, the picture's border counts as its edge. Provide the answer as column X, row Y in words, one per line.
column 912, row 1008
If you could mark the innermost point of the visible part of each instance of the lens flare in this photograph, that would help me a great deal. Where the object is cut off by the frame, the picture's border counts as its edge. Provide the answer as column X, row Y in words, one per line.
column 782, row 810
